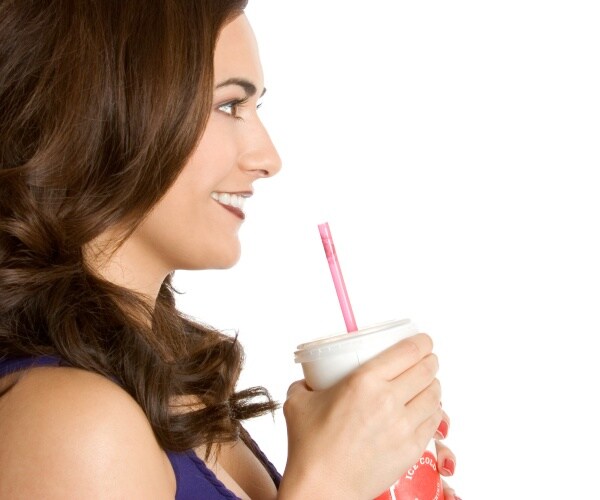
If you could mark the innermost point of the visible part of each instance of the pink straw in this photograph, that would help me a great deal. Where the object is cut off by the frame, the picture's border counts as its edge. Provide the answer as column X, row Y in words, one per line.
column 338, row 279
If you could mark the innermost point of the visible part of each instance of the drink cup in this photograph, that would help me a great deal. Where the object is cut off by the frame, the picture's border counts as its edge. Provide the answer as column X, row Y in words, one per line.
column 327, row 360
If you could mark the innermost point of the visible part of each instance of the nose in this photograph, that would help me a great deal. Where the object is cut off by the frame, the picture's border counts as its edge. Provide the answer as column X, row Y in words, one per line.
column 259, row 157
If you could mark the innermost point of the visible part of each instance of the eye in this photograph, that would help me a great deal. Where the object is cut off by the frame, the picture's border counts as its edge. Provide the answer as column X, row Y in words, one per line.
column 231, row 107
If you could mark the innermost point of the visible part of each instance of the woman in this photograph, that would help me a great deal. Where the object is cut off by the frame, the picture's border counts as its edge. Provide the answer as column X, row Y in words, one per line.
column 129, row 142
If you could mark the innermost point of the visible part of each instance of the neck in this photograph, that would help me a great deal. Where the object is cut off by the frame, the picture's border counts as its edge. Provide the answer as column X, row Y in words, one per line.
column 126, row 265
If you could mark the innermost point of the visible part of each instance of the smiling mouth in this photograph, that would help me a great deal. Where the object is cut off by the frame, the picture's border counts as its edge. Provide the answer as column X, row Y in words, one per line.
column 233, row 202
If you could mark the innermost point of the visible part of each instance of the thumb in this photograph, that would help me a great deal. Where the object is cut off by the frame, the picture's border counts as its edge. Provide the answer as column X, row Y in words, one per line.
column 297, row 387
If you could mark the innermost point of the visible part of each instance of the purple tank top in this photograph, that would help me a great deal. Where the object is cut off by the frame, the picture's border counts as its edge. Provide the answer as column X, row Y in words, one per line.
column 194, row 479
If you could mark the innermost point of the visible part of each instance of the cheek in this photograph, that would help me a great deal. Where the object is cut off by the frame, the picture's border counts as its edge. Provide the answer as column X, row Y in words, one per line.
column 216, row 152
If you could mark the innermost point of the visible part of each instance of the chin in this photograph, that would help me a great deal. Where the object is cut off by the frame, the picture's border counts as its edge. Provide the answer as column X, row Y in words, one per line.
column 226, row 264
column 221, row 263
column 227, row 258
column 221, row 257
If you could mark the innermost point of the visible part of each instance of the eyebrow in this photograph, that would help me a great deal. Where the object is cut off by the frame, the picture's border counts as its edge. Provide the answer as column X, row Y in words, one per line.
column 247, row 85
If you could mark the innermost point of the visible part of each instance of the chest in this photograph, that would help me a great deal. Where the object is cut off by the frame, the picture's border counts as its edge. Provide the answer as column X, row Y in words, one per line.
column 239, row 469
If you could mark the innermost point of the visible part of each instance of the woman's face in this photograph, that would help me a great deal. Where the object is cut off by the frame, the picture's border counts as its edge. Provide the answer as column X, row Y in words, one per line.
column 196, row 223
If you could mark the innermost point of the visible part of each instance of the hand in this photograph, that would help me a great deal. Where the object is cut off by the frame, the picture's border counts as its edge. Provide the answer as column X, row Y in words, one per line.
column 356, row 438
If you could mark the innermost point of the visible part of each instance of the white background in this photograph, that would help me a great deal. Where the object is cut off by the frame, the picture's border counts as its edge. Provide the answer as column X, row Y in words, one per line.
column 453, row 147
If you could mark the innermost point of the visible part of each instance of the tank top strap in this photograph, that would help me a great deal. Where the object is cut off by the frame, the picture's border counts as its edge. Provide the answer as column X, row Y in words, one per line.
column 11, row 365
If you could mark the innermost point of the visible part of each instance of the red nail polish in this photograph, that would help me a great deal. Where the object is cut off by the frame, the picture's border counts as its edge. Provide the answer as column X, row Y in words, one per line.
column 443, row 429
column 448, row 466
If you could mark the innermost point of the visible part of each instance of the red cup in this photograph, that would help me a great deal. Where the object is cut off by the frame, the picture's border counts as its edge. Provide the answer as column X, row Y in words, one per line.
column 422, row 481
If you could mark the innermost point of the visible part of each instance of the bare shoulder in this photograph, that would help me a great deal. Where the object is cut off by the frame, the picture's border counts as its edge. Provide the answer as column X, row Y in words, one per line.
column 68, row 433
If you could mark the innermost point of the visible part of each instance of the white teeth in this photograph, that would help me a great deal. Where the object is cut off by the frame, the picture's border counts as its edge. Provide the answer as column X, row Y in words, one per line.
column 234, row 200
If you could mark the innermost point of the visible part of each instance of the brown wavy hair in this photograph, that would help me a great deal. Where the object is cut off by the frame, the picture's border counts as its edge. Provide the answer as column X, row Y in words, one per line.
column 101, row 104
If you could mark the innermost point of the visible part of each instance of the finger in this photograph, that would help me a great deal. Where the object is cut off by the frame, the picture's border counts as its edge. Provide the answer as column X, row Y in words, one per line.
column 400, row 356
column 446, row 459
column 416, row 379
column 442, row 430
column 425, row 410
column 427, row 427
column 449, row 493
column 297, row 387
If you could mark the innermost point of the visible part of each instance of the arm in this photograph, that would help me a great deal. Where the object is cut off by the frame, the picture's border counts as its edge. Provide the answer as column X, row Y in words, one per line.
column 67, row 433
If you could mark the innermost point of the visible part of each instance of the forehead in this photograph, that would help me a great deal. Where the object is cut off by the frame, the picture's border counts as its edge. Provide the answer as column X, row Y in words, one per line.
column 236, row 52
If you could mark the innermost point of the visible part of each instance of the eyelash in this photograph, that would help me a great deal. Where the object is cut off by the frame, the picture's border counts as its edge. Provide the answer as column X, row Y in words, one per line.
column 233, row 105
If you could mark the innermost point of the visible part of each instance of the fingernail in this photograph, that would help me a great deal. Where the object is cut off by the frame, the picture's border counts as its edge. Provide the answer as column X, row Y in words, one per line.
column 448, row 467
column 442, row 430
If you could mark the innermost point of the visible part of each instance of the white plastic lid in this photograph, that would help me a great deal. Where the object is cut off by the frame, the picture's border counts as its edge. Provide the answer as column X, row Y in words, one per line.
column 345, row 342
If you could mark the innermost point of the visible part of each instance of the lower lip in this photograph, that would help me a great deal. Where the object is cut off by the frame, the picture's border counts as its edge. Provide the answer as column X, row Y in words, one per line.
column 235, row 211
